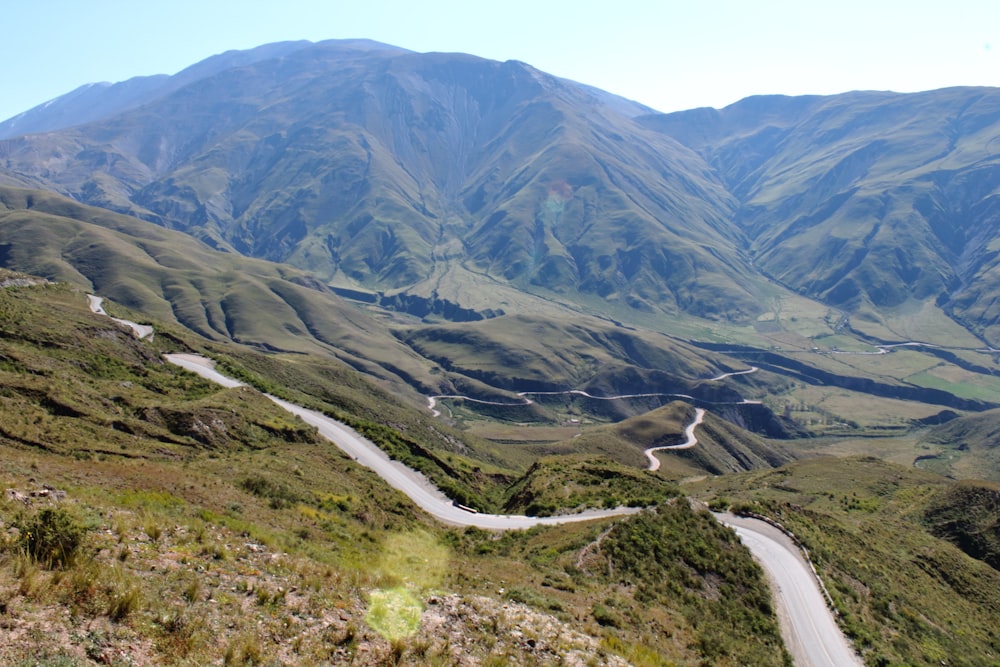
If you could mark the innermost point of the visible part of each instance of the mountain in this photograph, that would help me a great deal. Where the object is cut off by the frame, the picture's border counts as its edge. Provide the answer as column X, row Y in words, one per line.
column 443, row 176
column 863, row 200
column 458, row 191
column 462, row 184
column 94, row 101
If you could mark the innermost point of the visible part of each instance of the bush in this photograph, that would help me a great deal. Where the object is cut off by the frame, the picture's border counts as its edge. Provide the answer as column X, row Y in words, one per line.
column 605, row 616
column 278, row 495
column 124, row 598
column 720, row 504
column 52, row 537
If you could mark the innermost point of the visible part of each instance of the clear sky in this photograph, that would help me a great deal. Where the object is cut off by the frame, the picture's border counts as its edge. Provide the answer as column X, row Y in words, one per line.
column 668, row 54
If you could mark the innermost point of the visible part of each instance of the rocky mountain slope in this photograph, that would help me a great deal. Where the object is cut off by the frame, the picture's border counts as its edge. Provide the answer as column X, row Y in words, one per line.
column 445, row 180
column 863, row 199
column 443, row 175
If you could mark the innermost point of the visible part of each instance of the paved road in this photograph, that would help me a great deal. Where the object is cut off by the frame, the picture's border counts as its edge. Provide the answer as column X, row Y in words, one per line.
column 752, row 369
column 398, row 476
column 432, row 400
column 691, row 441
column 140, row 330
column 808, row 628
column 807, row 625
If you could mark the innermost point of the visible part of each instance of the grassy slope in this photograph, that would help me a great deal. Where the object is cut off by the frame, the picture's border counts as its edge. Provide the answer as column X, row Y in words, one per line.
column 574, row 352
column 165, row 275
column 589, row 480
column 867, row 199
column 213, row 527
column 881, row 538
column 722, row 447
column 970, row 447
column 168, row 276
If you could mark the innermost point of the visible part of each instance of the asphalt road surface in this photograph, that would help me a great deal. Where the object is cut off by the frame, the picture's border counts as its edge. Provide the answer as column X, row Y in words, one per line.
column 398, row 476
column 140, row 330
column 691, row 441
column 807, row 625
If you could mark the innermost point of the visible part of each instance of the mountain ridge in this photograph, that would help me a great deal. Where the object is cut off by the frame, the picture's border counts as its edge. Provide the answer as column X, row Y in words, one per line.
column 384, row 170
column 903, row 194
column 437, row 187
column 420, row 189
column 93, row 101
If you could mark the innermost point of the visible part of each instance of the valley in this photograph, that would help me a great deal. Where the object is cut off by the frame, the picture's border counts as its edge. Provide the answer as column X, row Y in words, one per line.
column 527, row 304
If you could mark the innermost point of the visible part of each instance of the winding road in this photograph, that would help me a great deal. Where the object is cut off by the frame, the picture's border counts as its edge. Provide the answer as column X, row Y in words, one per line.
column 689, row 442
column 807, row 626
column 432, row 400
column 141, row 331
column 398, row 476
column 812, row 637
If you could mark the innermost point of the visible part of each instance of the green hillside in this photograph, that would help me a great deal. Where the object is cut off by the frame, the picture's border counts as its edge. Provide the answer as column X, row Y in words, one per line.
column 966, row 447
column 169, row 276
column 166, row 275
column 155, row 518
column 912, row 585
column 864, row 200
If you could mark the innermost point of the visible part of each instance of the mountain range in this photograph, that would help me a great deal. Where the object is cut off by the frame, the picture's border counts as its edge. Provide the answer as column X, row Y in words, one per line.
column 514, row 283
column 448, row 179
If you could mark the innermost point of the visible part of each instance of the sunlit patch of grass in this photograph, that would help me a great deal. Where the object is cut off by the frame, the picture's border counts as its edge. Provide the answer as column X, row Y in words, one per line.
column 148, row 499
column 960, row 383
column 412, row 563
column 637, row 654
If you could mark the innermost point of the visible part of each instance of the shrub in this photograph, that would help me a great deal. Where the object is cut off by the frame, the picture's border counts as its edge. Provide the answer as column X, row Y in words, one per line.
column 243, row 650
column 52, row 537
column 154, row 531
column 720, row 504
column 278, row 495
column 124, row 598
column 606, row 617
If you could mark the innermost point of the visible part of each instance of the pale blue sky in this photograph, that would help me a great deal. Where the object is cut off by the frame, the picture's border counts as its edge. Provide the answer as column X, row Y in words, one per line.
column 666, row 54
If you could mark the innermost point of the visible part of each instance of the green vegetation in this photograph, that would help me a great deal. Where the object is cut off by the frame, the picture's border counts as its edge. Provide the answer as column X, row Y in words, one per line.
column 50, row 537
column 889, row 542
column 967, row 447
column 683, row 559
column 968, row 516
column 667, row 586
column 553, row 482
column 188, row 524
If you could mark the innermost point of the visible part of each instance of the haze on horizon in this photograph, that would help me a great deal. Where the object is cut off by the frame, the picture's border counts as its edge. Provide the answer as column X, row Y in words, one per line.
column 669, row 56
